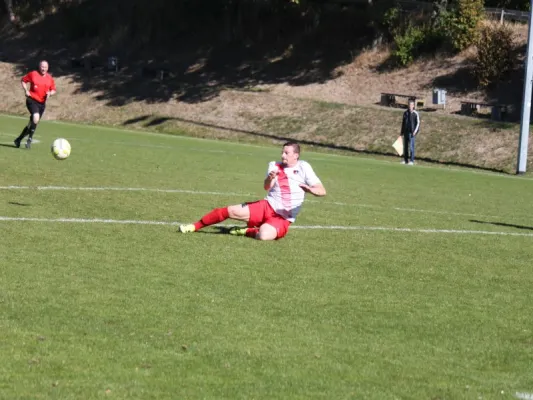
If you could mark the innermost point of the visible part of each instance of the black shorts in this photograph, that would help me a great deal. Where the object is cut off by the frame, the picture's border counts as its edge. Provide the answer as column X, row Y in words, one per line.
column 34, row 107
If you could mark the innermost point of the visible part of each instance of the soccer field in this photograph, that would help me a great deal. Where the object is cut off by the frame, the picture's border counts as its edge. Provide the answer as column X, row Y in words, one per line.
column 402, row 283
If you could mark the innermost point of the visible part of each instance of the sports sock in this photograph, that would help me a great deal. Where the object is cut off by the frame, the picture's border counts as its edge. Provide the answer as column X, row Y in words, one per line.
column 23, row 133
column 31, row 129
column 251, row 232
column 215, row 216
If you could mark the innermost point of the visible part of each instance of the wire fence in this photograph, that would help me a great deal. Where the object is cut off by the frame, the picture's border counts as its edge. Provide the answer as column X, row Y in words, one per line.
column 501, row 14
column 507, row 15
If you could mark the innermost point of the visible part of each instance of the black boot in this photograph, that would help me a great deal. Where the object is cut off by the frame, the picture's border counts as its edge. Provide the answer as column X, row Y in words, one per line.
column 20, row 137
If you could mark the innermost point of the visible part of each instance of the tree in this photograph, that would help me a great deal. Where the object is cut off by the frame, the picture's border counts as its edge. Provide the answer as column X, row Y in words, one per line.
column 464, row 22
column 9, row 7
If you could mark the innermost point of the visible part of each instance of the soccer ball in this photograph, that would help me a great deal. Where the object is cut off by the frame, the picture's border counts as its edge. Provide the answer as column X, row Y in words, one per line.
column 60, row 149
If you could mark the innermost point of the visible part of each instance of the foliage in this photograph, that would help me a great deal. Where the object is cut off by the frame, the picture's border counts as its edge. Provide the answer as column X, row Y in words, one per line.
column 461, row 25
column 391, row 20
column 415, row 41
column 496, row 54
column 407, row 45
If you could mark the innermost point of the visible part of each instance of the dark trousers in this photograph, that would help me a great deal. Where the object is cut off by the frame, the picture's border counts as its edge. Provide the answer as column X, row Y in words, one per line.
column 408, row 148
column 34, row 107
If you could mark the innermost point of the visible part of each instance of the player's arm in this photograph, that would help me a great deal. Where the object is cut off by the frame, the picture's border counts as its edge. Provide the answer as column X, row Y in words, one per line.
column 270, row 180
column 316, row 190
column 312, row 183
column 24, row 82
column 52, row 90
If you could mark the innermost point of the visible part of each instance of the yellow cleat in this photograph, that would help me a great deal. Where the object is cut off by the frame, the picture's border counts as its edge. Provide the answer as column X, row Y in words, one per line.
column 237, row 231
column 187, row 228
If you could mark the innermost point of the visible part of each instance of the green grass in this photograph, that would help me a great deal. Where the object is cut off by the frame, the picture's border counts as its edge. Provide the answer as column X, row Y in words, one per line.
column 131, row 311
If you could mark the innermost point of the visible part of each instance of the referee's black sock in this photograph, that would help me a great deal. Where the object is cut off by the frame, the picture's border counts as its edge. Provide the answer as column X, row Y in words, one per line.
column 23, row 133
column 31, row 130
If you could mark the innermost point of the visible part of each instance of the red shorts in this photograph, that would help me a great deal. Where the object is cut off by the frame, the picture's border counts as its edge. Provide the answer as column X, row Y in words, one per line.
column 262, row 213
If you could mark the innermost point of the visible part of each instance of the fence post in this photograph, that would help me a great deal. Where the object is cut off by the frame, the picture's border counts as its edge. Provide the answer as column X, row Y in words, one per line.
column 501, row 16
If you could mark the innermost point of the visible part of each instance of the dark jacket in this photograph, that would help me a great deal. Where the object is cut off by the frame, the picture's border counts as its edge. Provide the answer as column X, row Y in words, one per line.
column 410, row 123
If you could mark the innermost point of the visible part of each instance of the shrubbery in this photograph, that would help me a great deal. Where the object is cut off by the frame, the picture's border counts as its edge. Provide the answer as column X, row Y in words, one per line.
column 452, row 30
column 496, row 54
column 461, row 25
column 407, row 45
column 415, row 41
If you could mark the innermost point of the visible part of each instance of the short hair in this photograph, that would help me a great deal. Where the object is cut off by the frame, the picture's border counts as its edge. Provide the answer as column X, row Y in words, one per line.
column 295, row 146
column 411, row 101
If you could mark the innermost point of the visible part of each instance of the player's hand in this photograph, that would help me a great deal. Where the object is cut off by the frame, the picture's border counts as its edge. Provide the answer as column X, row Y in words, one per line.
column 27, row 93
column 48, row 94
column 272, row 175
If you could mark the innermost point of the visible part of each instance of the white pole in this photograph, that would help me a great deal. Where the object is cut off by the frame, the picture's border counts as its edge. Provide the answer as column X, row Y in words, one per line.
column 526, row 102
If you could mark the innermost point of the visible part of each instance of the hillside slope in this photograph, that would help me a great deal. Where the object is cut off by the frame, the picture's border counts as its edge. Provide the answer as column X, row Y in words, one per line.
column 336, row 113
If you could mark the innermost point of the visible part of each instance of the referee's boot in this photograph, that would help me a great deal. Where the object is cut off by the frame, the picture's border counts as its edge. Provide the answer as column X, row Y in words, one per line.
column 28, row 143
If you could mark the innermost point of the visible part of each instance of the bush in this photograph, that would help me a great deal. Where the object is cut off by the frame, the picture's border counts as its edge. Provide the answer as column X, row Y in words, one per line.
column 391, row 20
column 407, row 45
column 496, row 54
column 414, row 42
column 461, row 25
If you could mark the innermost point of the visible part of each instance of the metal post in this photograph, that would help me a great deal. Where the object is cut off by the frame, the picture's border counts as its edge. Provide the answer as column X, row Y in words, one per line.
column 526, row 101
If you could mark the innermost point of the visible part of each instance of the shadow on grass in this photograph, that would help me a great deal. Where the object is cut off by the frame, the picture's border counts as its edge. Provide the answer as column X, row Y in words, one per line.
column 16, row 203
column 150, row 122
column 194, row 56
column 530, row 228
column 11, row 146
column 459, row 82
column 507, row 91
column 215, row 230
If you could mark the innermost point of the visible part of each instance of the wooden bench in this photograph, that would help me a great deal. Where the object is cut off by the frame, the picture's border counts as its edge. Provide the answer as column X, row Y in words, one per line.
column 396, row 99
column 497, row 112
column 154, row 72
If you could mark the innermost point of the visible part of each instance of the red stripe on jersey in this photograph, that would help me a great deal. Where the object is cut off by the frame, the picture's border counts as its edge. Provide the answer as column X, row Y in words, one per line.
column 285, row 188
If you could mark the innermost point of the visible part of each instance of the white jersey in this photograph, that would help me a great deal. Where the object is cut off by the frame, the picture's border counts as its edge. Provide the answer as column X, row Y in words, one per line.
column 286, row 196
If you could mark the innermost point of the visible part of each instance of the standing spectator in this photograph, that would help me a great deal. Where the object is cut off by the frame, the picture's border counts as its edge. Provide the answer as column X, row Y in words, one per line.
column 410, row 127
column 38, row 87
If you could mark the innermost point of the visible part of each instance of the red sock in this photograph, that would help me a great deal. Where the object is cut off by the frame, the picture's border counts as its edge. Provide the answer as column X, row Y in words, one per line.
column 214, row 217
column 251, row 232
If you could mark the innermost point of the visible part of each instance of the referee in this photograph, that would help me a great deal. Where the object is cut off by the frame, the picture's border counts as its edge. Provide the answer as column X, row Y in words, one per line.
column 38, row 87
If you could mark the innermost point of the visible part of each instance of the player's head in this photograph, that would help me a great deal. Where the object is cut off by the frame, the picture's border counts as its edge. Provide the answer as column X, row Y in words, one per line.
column 290, row 154
column 43, row 67
column 411, row 104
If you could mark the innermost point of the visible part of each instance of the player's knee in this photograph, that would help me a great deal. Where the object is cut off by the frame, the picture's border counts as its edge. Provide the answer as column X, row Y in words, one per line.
column 36, row 118
column 266, row 232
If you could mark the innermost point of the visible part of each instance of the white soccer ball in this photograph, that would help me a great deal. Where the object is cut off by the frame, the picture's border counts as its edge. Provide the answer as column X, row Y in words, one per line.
column 60, row 149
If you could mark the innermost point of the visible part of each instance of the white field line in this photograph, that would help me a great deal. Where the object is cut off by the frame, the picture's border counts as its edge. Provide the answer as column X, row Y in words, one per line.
column 141, row 145
column 158, row 146
column 126, row 189
column 138, row 132
column 120, row 189
column 402, row 209
column 14, row 136
column 305, row 227
column 321, row 155
column 524, row 396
